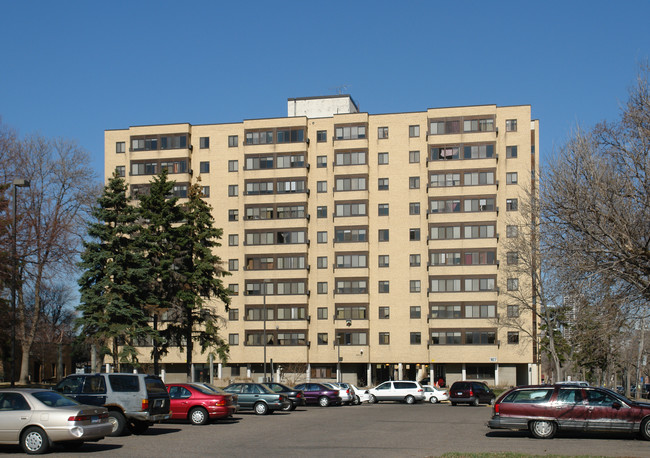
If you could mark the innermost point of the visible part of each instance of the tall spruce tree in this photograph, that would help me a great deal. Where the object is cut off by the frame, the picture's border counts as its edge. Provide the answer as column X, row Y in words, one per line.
column 162, row 238
column 115, row 270
column 201, row 272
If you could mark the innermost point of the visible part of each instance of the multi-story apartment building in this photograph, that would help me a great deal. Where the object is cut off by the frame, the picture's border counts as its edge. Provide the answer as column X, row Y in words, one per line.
column 371, row 242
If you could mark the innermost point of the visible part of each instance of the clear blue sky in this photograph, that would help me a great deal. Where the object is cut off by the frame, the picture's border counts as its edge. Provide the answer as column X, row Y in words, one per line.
column 75, row 68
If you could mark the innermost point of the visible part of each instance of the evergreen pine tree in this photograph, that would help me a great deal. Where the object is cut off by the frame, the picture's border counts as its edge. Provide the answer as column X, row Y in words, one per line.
column 113, row 300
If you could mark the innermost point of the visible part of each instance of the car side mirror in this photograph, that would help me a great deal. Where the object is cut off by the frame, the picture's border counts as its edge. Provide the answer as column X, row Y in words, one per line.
column 616, row 405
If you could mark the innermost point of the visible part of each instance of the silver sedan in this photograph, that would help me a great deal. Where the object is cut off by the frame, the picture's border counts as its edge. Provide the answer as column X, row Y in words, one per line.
column 36, row 418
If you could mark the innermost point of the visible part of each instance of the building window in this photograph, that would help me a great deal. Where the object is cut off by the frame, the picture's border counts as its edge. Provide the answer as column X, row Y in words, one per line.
column 321, row 161
column 414, row 131
column 414, row 260
column 321, row 212
column 204, row 142
column 415, row 287
column 322, row 338
column 349, row 132
column 513, row 258
column 511, row 125
column 204, row 167
column 321, row 186
column 513, row 338
column 205, row 191
column 478, row 125
column 321, row 313
column 511, row 178
column 321, row 237
column 382, row 132
column 414, row 208
column 233, row 265
column 382, row 209
column 513, row 284
column 321, row 136
column 511, row 151
column 383, row 235
column 416, row 338
column 512, row 231
column 414, row 157
column 234, row 289
column 321, row 287
column 233, row 240
column 233, row 314
column 120, row 147
column 384, row 260
column 321, row 262
column 384, row 286
column 512, row 204
column 233, row 166
column 384, row 313
column 233, row 190
column 382, row 184
column 120, row 170
column 384, row 338
column 233, row 215
column 382, row 158
column 180, row 190
column 414, row 234
column 233, row 339
column 414, row 182
column 513, row 311
column 233, row 140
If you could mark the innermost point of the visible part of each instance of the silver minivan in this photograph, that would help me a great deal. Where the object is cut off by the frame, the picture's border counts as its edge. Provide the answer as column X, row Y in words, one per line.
column 406, row 391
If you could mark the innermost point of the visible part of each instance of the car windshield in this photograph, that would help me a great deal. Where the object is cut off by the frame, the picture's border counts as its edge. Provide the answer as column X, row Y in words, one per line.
column 54, row 399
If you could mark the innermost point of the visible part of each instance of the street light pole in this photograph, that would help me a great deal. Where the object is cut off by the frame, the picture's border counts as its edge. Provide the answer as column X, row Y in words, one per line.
column 264, row 336
column 338, row 358
column 18, row 183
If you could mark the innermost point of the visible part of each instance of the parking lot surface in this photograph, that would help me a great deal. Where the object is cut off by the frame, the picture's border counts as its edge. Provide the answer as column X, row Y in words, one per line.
column 377, row 430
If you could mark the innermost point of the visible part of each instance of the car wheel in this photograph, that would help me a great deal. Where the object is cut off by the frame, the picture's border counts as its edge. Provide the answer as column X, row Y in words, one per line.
column 372, row 399
column 433, row 400
column 199, row 416
column 323, row 401
column 409, row 399
column 117, row 421
column 261, row 408
column 542, row 429
column 645, row 429
column 34, row 441
column 138, row 427
column 357, row 400
column 289, row 407
column 475, row 402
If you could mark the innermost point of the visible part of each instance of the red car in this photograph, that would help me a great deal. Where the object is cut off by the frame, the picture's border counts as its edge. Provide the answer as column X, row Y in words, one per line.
column 199, row 404
column 544, row 410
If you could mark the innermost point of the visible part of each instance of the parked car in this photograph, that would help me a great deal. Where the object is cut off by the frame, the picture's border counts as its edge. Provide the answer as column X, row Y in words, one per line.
column 37, row 418
column 296, row 397
column 544, row 410
column 257, row 397
column 434, row 395
column 135, row 401
column 400, row 390
column 199, row 404
column 347, row 395
column 361, row 394
column 317, row 393
column 472, row 393
column 353, row 393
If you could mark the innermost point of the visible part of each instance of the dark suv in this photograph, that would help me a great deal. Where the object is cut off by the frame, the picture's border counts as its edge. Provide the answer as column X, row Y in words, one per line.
column 472, row 393
column 133, row 400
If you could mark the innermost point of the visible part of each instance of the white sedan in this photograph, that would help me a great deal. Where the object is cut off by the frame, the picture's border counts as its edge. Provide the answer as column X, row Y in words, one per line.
column 362, row 395
column 434, row 395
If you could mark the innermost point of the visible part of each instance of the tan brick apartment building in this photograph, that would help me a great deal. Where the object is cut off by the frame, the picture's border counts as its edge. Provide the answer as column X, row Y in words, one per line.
column 381, row 232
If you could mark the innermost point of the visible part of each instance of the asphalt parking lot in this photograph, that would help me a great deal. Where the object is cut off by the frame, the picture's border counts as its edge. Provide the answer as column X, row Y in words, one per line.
column 377, row 430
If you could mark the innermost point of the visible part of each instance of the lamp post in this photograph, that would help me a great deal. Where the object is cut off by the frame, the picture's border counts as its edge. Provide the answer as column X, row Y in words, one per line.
column 338, row 359
column 264, row 319
column 18, row 183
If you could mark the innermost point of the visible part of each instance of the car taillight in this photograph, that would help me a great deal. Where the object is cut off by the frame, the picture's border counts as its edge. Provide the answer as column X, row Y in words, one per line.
column 79, row 418
column 420, row 390
column 145, row 404
column 471, row 393
column 347, row 391
column 496, row 409
column 221, row 402
column 299, row 395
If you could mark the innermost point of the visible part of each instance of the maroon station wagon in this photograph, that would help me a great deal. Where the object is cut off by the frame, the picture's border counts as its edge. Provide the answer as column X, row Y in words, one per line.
column 546, row 409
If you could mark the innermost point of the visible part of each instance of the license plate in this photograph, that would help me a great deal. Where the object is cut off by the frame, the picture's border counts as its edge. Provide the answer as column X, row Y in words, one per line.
column 94, row 419
column 459, row 394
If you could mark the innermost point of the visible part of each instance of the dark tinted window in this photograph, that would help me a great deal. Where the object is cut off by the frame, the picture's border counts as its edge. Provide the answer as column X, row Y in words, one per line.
column 124, row 383
column 70, row 385
column 94, row 384
column 460, row 386
column 54, row 399
column 16, row 401
column 155, row 385
column 404, row 385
